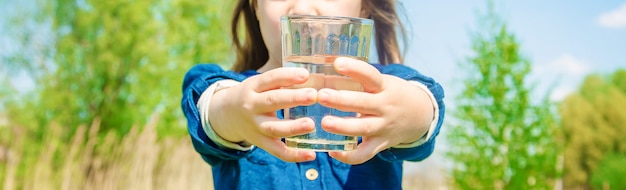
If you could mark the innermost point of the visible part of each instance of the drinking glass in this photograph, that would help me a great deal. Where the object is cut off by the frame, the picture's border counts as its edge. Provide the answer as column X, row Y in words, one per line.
column 313, row 43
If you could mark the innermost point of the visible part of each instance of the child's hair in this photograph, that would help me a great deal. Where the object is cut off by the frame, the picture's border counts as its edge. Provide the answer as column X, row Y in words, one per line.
column 252, row 53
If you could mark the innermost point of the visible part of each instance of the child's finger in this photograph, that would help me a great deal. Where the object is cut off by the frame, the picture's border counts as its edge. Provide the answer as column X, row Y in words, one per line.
column 349, row 101
column 363, row 126
column 364, row 152
column 287, row 128
column 280, row 77
column 277, row 148
column 273, row 100
column 360, row 71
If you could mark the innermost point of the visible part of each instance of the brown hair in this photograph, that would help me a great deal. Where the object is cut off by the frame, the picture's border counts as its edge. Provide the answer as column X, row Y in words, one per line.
column 252, row 53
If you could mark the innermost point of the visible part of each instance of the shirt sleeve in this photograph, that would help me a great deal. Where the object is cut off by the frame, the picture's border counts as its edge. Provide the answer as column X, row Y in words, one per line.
column 422, row 151
column 196, row 81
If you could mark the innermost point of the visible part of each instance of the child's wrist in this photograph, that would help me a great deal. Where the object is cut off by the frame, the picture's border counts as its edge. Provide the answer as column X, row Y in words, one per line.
column 413, row 142
column 224, row 132
column 433, row 123
column 221, row 136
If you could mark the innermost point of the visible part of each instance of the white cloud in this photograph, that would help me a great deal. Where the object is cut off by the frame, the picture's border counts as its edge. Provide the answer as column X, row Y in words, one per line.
column 565, row 65
column 565, row 72
column 615, row 18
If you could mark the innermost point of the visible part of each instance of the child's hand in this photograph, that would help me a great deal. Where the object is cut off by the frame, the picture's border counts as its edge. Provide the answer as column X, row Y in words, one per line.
column 393, row 111
column 247, row 112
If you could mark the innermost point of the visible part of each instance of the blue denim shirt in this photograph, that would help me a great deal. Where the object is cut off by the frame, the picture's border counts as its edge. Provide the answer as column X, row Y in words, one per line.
column 257, row 169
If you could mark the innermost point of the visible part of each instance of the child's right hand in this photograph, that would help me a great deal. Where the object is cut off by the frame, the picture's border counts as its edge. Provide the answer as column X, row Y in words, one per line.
column 247, row 112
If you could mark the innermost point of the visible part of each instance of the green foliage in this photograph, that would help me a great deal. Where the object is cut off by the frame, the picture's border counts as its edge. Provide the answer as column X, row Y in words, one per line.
column 501, row 139
column 123, row 61
column 593, row 126
column 610, row 173
column 119, row 62
column 619, row 80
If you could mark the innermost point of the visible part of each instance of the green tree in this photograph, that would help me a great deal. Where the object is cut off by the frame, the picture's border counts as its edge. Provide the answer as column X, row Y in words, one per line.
column 619, row 80
column 593, row 123
column 500, row 139
column 122, row 61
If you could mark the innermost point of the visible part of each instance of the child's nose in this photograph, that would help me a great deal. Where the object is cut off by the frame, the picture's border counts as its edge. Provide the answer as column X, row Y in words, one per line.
column 303, row 7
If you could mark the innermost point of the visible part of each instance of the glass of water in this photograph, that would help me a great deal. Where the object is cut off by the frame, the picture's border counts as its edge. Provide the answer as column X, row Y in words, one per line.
column 313, row 43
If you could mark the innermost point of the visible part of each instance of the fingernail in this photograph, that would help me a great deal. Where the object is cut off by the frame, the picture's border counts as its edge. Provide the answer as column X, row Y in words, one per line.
column 329, row 122
column 302, row 73
column 310, row 95
column 333, row 154
column 310, row 156
column 322, row 96
column 305, row 124
column 340, row 63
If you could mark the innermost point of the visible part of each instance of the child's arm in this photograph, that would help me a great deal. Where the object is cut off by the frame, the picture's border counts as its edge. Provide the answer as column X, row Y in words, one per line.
column 196, row 81
column 436, row 94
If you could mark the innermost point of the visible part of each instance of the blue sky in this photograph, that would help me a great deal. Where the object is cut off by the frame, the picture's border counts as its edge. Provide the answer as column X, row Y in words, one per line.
column 564, row 40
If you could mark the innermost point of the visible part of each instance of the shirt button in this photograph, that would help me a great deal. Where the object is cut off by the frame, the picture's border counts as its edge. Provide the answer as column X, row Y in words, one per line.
column 311, row 174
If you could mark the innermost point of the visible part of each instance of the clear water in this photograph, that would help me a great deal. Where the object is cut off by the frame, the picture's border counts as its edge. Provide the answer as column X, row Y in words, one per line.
column 322, row 76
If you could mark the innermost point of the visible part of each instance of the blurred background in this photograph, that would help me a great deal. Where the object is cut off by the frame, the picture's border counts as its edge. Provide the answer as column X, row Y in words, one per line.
column 90, row 92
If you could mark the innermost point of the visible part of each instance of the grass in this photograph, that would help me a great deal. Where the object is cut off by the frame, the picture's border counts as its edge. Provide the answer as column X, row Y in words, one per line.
column 136, row 161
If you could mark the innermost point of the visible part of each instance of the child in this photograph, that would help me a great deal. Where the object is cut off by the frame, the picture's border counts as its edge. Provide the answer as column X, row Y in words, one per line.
column 233, row 120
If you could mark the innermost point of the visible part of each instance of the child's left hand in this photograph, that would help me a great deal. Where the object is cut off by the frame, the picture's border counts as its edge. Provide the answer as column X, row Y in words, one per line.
column 393, row 111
